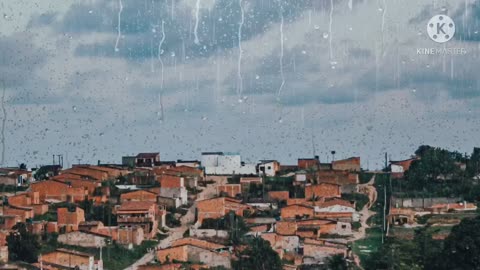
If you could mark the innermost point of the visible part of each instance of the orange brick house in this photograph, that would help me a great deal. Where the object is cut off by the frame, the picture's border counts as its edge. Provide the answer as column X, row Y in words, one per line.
column 231, row 190
column 24, row 213
column 308, row 163
column 88, row 185
column 69, row 219
column 89, row 172
column 190, row 249
column 29, row 200
column 8, row 221
column 170, row 181
column 296, row 211
column 58, row 191
column 69, row 259
column 349, row 164
column 143, row 214
column 286, row 227
column 324, row 190
column 219, row 207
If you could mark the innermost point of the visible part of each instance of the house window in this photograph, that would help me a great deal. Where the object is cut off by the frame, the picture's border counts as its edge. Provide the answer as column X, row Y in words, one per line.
column 344, row 226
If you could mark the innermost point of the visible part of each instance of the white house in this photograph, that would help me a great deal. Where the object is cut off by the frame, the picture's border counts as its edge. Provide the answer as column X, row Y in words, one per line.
column 396, row 168
column 268, row 167
column 219, row 163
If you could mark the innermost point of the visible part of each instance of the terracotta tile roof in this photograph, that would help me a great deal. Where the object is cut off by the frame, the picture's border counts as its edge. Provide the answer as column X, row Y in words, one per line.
column 196, row 242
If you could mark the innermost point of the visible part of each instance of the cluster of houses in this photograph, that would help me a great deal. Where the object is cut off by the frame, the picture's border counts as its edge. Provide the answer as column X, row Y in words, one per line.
column 304, row 227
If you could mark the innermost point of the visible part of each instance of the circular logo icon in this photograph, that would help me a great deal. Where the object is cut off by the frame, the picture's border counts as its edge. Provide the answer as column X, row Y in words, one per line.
column 441, row 28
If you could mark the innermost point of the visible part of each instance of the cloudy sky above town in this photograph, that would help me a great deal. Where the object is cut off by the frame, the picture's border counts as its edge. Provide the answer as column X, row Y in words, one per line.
column 271, row 79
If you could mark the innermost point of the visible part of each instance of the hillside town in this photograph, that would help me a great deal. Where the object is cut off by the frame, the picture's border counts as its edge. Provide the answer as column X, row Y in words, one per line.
column 215, row 213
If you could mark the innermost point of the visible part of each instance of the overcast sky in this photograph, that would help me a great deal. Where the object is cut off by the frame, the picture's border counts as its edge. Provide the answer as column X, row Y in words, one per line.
column 185, row 76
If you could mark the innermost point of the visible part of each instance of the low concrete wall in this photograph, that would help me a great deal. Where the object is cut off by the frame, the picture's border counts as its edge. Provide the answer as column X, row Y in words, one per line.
column 204, row 233
column 421, row 202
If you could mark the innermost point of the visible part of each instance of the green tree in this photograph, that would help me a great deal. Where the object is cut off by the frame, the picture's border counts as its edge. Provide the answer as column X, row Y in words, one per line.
column 258, row 255
column 337, row 262
column 462, row 247
column 22, row 245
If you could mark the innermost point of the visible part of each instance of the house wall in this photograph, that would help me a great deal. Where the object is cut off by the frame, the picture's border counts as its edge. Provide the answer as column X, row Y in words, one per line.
column 140, row 195
column 8, row 180
column 271, row 168
column 69, row 260
column 230, row 189
column 320, row 253
column 292, row 211
column 133, row 236
column 170, row 181
column 203, row 233
column 90, row 172
column 70, row 219
column 82, row 239
column 214, row 208
column 174, row 253
column 322, row 190
column 351, row 164
column 3, row 254
column 169, row 202
column 210, row 258
column 286, row 227
column 176, row 192
column 288, row 243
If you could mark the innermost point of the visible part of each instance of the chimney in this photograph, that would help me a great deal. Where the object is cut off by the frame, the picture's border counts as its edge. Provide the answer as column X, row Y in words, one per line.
column 98, row 163
column 317, row 158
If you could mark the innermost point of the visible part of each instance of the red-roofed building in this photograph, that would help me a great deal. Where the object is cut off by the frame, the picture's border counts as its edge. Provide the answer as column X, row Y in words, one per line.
column 140, row 213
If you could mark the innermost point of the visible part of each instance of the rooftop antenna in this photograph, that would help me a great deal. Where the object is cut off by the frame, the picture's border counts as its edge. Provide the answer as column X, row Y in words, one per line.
column 313, row 143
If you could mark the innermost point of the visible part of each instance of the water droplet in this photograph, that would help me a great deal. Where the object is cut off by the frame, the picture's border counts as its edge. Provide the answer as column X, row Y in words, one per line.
column 204, row 118
column 74, row 108
column 304, row 52
column 380, row 9
column 444, row 8
column 414, row 90
column 117, row 49
column 90, row 11
column 257, row 77
column 325, row 35
column 240, row 100
column 280, row 120
column 154, row 30
column 316, row 27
